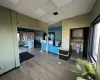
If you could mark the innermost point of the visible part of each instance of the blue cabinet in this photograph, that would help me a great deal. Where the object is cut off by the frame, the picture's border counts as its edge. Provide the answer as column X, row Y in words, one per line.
column 43, row 46
column 51, row 48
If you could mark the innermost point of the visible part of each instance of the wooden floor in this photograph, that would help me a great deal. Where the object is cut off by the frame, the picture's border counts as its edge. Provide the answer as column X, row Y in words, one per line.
column 42, row 67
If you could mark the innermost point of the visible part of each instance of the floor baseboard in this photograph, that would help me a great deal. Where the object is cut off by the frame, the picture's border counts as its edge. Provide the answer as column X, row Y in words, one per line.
column 9, row 71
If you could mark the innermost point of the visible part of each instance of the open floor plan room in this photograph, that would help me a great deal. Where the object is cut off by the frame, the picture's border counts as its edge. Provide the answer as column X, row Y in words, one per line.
column 49, row 39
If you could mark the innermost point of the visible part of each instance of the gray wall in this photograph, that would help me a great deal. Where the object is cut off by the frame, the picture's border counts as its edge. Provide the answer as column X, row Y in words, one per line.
column 96, row 10
column 9, row 54
column 7, row 60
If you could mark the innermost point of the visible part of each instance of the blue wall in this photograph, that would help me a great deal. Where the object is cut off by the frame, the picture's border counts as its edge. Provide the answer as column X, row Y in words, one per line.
column 58, row 32
column 39, row 31
column 37, row 39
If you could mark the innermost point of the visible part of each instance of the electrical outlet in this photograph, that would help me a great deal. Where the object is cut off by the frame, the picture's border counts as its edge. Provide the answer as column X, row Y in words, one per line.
column 2, row 67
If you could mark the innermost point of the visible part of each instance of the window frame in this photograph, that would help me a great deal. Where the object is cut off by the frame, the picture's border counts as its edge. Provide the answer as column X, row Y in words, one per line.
column 91, row 39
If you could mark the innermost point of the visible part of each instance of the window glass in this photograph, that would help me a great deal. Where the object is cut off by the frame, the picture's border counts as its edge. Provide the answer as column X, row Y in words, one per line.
column 18, row 38
column 96, row 41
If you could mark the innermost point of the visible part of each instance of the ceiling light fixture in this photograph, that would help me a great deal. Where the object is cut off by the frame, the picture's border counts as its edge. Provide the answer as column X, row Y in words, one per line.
column 40, row 12
column 14, row 1
column 60, row 3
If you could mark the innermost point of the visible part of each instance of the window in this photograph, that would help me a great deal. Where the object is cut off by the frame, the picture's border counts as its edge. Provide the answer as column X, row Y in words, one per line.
column 18, row 37
column 96, row 40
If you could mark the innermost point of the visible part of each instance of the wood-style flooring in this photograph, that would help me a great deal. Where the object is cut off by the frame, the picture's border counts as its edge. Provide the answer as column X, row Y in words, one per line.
column 42, row 67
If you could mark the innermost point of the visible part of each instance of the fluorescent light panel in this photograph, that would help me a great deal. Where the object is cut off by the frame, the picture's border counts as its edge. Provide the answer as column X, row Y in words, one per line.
column 40, row 12
column 14, row 1
column 60, row 3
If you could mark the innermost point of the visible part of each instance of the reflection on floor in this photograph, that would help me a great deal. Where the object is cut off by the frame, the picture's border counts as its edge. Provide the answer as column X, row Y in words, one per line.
column 23, row 49
column 42, row 67
column 73, row 56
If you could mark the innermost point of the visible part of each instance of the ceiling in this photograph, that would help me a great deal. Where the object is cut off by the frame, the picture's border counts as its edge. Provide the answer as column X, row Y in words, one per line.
column 58, row 24
column 43, row 9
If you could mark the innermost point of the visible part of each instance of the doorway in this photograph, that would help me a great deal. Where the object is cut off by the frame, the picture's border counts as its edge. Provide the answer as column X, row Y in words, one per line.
column 79, row 43
column 52, row 37
column 38, row 36
column 25, row 39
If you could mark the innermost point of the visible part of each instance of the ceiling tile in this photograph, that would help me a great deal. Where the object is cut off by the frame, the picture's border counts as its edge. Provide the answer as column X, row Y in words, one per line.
column 14, row 1
column 58, row 24
column 34, row 15
column 60, row 3
column 32, row 5
column 9, row 3
column 68, row 10
column 25, row 11
column 40, row 12
column 50, row 18
column 65, row 8
column 49, row 6
column 45, row 18
column 83, row 6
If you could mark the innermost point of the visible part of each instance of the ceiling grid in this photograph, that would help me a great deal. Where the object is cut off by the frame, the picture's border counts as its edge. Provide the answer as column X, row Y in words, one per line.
column 43, row 9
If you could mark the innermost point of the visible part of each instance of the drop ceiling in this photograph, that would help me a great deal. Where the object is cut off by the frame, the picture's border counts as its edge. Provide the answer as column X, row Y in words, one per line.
column 43, row 9
column 58, row 24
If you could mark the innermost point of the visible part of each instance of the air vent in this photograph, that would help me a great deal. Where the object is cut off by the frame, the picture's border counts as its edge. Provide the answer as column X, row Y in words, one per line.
column 55, row 13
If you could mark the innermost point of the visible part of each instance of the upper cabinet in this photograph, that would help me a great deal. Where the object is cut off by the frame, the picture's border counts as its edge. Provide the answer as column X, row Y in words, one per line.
column 77, row 33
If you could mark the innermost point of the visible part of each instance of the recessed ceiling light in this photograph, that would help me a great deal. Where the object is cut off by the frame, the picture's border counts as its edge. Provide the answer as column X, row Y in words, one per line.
column 55, row 13
column 40, row 12
column 60, row 3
